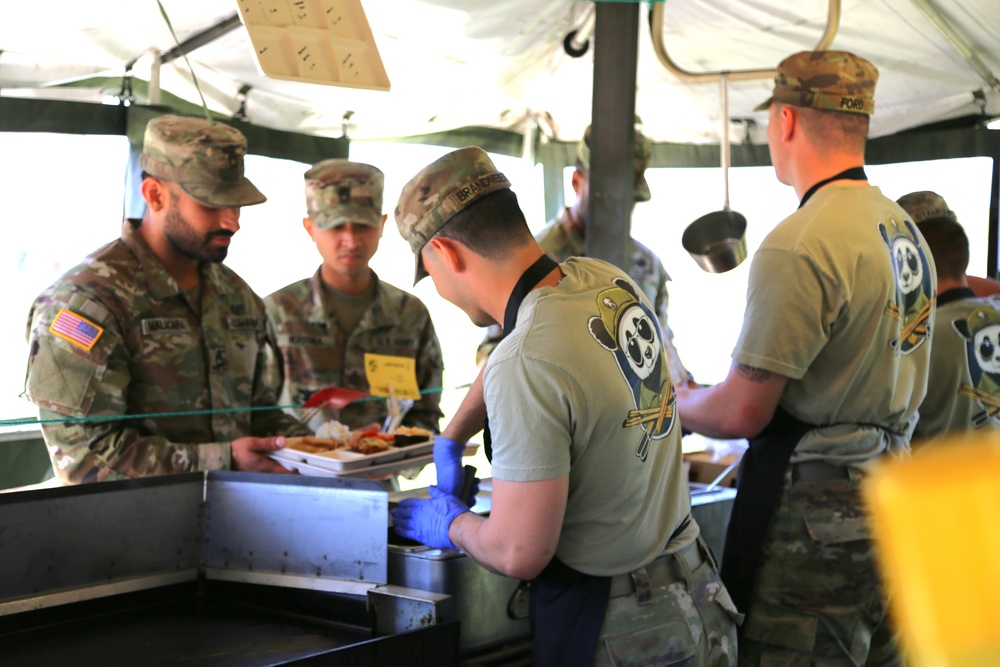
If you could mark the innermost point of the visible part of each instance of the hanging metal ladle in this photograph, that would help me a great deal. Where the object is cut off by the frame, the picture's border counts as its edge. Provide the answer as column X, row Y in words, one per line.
column 717, row 241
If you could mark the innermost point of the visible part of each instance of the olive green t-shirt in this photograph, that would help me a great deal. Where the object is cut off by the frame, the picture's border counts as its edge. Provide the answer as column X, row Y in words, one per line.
column 582, row 387
column 840, row 300
column 963, row 392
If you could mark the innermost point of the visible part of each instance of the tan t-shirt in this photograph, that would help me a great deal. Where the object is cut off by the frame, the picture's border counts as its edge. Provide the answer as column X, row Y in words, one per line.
column 963, row 392
column 582, row 387
column 840, row 301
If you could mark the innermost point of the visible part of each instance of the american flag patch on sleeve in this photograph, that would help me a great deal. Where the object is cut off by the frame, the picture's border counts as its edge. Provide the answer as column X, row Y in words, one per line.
column 78, row 330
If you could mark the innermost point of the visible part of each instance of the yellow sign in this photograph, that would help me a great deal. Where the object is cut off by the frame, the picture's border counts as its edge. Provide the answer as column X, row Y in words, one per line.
column 399, row 373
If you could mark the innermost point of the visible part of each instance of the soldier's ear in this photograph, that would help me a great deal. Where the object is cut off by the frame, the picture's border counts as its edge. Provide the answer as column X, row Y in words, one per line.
column 154, row 192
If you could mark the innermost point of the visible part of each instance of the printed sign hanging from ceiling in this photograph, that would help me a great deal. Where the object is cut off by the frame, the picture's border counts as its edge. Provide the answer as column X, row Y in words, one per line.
column 314, row 41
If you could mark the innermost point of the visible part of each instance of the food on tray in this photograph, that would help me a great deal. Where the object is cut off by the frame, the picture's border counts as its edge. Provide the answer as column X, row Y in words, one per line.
column 314, row 444
column 370, row 445
column 411, row 435
column 333, row 435
column 334, row 429
column 373, row 433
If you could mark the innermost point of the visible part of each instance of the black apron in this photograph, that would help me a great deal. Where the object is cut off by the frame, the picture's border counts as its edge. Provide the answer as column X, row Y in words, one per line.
column 567, row 611
column 761, row 474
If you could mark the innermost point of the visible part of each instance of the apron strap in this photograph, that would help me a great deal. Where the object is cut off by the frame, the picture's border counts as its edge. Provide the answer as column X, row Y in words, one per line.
column 528, row 281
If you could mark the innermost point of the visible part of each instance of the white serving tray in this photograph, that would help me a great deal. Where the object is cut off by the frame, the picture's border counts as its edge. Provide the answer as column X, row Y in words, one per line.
column 344, row 460
column 378, row 471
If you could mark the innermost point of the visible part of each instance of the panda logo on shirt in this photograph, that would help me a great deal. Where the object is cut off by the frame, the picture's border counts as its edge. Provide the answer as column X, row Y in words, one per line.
column 981, row 331
column 914, row 297
column 627, row 328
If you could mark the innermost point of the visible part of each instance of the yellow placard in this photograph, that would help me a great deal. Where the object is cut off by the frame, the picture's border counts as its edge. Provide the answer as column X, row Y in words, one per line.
column 400, row 373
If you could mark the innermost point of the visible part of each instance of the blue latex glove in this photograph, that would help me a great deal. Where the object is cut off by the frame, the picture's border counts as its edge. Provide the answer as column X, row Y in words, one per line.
column 428, row 521
column 448, row 462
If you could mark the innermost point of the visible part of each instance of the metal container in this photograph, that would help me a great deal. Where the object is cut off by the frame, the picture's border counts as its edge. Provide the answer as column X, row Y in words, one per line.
column 491, row 608
column 717, row 241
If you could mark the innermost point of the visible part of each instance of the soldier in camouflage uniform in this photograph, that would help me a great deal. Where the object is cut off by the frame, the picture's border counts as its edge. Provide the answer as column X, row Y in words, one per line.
column 325, row 324
column 565, row 237
column 821, row 383
column 154, row 323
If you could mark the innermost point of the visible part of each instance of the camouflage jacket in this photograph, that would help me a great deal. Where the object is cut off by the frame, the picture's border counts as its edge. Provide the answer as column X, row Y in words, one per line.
column 317, row 353
column 116, row 335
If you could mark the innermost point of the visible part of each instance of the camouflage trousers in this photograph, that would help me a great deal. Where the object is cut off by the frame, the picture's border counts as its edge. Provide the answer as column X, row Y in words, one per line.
column 818, row 600
column 688, row 620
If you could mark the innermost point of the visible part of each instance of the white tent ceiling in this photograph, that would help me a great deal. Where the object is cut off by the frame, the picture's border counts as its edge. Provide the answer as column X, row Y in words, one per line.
column 456, row 63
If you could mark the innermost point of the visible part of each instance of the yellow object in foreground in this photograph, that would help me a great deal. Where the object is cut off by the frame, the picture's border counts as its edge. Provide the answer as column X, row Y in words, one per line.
column 936, row 527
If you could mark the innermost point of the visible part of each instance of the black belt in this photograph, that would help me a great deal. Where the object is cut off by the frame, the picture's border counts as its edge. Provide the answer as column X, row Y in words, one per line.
column 818, row 471
column 666, row 568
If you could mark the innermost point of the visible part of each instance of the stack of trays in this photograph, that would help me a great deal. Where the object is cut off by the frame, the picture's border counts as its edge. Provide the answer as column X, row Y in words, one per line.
column 347, row 463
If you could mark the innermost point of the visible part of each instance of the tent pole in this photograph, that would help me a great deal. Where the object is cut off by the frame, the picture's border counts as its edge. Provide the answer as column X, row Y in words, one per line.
column 612, row 175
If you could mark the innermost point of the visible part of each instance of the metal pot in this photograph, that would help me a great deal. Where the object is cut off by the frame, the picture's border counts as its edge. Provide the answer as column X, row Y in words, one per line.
column 717, row 241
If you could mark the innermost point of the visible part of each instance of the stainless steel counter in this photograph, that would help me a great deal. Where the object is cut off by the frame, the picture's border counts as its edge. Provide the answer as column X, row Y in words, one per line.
column 212, row 570
column 287, row 566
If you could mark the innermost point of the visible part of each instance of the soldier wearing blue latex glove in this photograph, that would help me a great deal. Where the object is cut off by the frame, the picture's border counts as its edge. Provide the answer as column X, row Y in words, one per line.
column 448, row 461
column 428, row 521
column 588, row 496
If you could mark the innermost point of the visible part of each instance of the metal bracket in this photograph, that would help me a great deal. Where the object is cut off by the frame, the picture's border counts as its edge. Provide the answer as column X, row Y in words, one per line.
column 398, row 609
column 656, row 24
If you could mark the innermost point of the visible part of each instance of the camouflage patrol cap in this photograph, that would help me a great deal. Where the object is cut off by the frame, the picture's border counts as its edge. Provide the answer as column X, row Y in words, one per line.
column 827, row 80
column 205, row 160
column 340, row 191
column 641, row 150
column 439, row 191
column 926, row 205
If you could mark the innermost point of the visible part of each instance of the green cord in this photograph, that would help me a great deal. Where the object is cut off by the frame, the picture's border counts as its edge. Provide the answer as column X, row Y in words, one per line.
column 150, row 415
column 163, row 12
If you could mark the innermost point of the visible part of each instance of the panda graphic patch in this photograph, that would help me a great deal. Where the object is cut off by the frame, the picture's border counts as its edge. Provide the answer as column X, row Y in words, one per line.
column 914, row 297
column 981, row 331
column 627, row 328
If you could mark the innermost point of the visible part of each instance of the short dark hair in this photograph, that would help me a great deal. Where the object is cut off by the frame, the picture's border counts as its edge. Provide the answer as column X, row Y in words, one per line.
column 834, row 129
column 949, row 246
column 490, row 226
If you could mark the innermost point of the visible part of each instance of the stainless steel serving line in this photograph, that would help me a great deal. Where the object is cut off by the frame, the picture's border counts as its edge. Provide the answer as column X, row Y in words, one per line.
column 221, row 568
column 228, row 568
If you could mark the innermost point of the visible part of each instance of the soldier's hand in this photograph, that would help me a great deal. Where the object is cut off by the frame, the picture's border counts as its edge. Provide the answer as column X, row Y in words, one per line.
column 250, row 454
